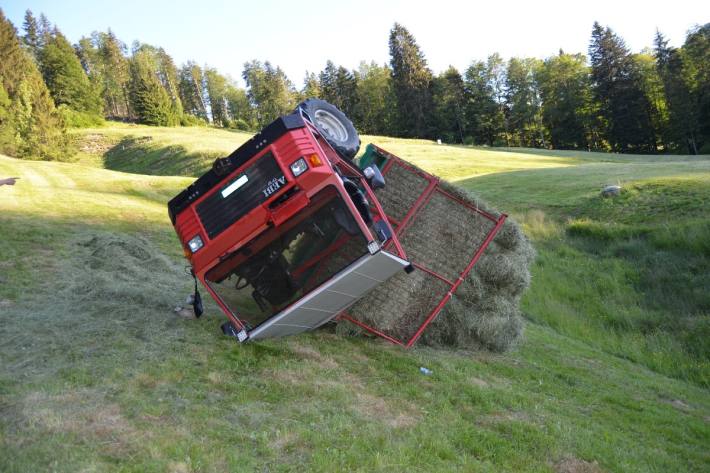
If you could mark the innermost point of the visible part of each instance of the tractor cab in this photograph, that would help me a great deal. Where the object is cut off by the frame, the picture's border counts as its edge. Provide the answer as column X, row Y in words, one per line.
column 285, row 233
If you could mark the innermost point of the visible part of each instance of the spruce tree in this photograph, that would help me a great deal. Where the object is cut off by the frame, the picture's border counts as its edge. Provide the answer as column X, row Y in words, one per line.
column 346, row 91
column 116, row 75
column 270, row 92
column 411, row 80
column 327, row 83
column 66, row 78
column 311, row 86
column 617, row 88
column 339, row 87
column 36, row 127
column 31, row 36
column 149, row 100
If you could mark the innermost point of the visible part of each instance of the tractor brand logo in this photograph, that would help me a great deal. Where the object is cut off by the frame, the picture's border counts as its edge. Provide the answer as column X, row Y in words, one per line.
column 274, row 185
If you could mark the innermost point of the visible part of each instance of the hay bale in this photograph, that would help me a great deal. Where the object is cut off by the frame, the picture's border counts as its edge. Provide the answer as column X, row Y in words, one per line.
column 484, row 312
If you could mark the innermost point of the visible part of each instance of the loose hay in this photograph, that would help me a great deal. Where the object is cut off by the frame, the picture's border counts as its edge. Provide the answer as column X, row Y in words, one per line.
column 484, row 312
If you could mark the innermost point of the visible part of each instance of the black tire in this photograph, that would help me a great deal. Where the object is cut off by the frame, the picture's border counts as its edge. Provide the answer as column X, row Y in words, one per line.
column 333, row 125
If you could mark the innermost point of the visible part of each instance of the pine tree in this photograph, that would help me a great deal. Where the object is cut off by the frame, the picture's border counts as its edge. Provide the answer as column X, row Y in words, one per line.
column 346, row 86
column 116, row 75
column 44, row 30
column 311, row 87
column 270, row 92
column 31, row 36
column 36, row 127
column 327, row 85
column 65, row 76
column 411, row 79
column 617, row 88
column 149, row 100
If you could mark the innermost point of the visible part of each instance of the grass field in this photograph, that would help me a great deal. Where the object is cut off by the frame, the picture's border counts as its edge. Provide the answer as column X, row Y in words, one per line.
column 98, row 374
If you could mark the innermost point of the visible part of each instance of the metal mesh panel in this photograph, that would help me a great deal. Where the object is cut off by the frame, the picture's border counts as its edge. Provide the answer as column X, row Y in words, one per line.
column 441, row 239
column 406, row 188
column 444, row 235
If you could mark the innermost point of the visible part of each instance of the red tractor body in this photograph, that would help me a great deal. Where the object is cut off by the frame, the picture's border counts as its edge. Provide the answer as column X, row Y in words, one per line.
column 284, row 233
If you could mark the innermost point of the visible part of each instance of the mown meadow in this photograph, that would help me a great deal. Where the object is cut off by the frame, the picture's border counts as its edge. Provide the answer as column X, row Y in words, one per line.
column 98, row 373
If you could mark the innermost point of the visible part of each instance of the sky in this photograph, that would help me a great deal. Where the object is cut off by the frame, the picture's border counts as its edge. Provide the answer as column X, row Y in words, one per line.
column 301, row 36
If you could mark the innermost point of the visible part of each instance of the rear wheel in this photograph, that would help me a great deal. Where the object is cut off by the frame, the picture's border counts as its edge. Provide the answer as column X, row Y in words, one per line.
column 335, row 127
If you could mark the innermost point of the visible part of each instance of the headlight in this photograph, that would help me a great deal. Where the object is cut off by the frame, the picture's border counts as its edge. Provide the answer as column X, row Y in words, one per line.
column 195, row 244
column 299, row 167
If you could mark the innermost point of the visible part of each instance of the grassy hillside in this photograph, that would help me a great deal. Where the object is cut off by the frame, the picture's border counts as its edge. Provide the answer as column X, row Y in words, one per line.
column 629, row 275
column 97, row 373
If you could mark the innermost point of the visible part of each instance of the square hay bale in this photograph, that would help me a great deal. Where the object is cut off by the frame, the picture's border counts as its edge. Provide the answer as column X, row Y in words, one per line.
column 443, row 236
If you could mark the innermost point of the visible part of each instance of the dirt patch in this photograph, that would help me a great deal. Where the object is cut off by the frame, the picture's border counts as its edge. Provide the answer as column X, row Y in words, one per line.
column 179, row 467
column 575, row 465
column 217, row 378
column 478, row 382
column 679, row 404
column 95, row 143
column 5, row 302
column 377, row 408
column 283, row 440
column 84, row 413
column 312, row 354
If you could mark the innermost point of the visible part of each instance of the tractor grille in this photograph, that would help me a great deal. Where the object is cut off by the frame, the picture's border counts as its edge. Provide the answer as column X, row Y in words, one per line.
column 237, row 196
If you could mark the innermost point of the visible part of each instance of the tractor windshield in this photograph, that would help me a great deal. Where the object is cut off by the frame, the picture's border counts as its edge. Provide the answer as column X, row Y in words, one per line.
column 287, row 261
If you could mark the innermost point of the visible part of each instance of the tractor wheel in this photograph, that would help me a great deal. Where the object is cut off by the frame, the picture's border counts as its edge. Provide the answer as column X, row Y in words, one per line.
column 335, row 127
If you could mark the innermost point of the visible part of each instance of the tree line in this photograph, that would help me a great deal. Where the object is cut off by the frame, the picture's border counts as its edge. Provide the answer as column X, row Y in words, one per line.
column 657, row 100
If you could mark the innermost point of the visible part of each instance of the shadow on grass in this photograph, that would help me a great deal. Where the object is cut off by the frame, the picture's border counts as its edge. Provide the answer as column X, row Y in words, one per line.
column 142, row 155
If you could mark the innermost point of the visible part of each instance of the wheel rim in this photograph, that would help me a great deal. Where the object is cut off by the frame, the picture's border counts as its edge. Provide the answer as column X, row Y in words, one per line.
column 330, row 125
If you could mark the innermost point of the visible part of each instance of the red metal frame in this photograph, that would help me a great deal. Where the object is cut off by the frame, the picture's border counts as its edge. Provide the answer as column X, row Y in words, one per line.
column 286, row 149
column 421, row 202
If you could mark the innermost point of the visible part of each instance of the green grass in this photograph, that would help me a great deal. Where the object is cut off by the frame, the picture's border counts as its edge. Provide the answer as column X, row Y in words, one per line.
column 629, row 275
column 166, row 151
column 97, row 373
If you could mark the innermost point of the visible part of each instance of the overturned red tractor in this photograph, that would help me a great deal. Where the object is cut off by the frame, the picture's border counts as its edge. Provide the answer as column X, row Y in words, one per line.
column 286, row 233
